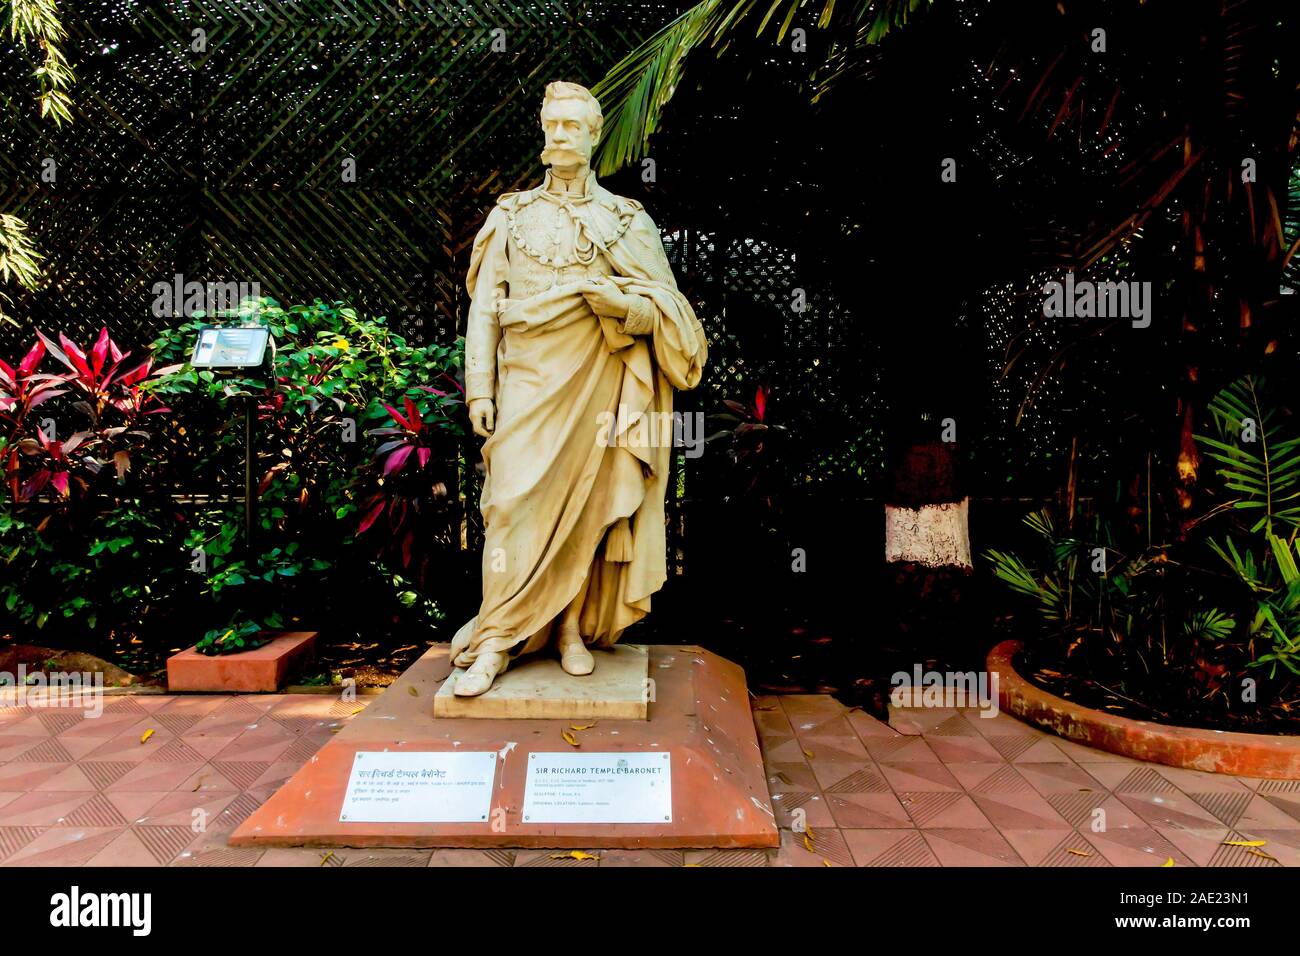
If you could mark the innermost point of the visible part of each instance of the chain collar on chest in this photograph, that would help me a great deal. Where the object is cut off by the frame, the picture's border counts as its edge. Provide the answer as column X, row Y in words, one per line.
column 584, row 245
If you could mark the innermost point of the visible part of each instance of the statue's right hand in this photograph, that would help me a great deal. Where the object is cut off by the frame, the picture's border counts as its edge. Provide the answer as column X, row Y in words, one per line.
column 482, row 416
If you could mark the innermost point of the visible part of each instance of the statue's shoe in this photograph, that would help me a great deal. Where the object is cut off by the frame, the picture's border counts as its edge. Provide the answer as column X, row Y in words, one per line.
column 480, row 675
column 574, row 656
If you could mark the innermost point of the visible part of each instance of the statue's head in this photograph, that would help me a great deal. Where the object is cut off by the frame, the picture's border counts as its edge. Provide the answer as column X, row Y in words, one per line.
column 571, row 120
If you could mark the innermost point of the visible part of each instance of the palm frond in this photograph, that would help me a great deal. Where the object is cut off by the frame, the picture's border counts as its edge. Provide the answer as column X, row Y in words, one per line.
column 1263, row 471
column 1210, row 624
column 638, row 87
column 1047, row 592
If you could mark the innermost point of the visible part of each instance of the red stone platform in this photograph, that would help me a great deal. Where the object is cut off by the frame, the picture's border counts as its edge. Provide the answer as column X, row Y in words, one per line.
column 700, row 715
column 263, row 669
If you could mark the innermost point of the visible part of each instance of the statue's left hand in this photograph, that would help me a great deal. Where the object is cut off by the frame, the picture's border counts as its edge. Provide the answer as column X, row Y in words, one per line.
column 605, row 298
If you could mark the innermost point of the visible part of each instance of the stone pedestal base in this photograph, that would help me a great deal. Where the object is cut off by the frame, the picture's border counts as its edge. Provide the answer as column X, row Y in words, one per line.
column 538, row 688
column 698, row 713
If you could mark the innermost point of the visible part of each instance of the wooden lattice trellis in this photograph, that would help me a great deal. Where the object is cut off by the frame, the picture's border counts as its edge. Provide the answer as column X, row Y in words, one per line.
column 225, row 163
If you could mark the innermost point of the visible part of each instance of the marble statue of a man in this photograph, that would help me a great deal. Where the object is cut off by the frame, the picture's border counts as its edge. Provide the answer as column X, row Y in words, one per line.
column 576, row 337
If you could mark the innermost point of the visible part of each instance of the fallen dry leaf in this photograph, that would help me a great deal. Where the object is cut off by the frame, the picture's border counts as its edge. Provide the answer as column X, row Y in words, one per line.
column 780, row 775
column 1168, row 862
column 326, row 858
column 569, row 739
column 807, row 844
column 1076, row 852
column 574, row 855
column 808, row 754
column 581, row 726
column 1261, row 853
column 825, row 862
column 413, row 692
column 1244, row 843
column 146, row 735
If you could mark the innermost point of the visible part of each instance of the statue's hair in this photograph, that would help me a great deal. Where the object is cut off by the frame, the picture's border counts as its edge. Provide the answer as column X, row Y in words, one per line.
column 560, row 90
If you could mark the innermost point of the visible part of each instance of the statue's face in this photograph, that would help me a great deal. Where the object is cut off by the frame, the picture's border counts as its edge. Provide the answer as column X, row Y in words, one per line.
column 568, row 135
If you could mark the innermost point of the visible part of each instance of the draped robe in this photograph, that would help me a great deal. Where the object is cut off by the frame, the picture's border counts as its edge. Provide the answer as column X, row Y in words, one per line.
column 573, row 500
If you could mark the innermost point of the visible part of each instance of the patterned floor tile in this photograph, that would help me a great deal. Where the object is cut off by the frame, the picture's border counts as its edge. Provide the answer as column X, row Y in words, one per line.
column 155, row 776
column 1136, row 778
column 962, row 790
column 1080, row 753
column 1012, row 746
column 13, row 839
column 828, row 849
column 642, row 858
column 1019, row 811
column 12, row 746
column 462, row 858
column 1288, row 803
column 837, row 726
column 989, row 777
column 955, row 726
column 1229, row 852
column 920, row 720
column 972, row 847
column 28, row 776
column 1076, row 808
column 98, row 811
column 565, row 858
column 64, row 846
column 49, row 750
column 1055, row 848
column 144, row 846
column 864, row 780
column 1049, row 778
column 1198, row 781
column 1167, row 809
column 308, row 857
column 801, row 808
column 901, row 749
column 968, row 749
column 725, row 858
column 219, row 857
column 71, row 777
column 790, row 776
column 943, row 810
column 867, row 726
column 867, row 811
column 902, row 847
column 1269, row 812
column 918, row 776
column 102, row 773
column 1226, row 806
column 1282, row 845
column 1000, row 725
column 1137, row 846
column 1043, row 750
column 376, row 856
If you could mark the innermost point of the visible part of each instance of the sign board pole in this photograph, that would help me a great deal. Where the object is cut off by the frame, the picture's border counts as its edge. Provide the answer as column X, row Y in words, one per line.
column 250, row 502
column 233, row 348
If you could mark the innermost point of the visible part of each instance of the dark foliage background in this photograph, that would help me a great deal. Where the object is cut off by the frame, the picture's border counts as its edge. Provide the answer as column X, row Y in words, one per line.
column 225, row 165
